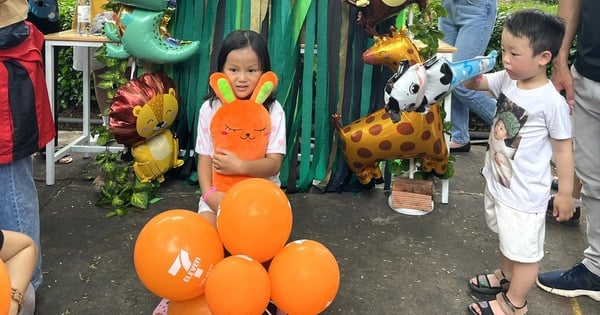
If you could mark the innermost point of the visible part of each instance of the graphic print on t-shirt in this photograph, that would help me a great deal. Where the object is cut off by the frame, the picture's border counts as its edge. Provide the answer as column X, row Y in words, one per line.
column 504, row 139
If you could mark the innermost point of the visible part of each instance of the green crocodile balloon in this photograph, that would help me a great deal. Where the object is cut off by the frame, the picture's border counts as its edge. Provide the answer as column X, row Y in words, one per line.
column 140, row 31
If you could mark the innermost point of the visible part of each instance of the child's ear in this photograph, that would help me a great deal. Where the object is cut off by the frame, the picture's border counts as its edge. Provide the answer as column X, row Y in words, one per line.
column 220, row 84
column 264, row 87
column 545, row 58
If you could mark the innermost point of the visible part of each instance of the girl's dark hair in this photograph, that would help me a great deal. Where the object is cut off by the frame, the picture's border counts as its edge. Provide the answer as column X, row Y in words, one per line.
column 242, row 39
column 543, row 30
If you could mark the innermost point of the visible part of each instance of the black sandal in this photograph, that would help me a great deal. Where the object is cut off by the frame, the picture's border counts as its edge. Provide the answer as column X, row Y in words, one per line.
column 483, row 283
column 505, row 304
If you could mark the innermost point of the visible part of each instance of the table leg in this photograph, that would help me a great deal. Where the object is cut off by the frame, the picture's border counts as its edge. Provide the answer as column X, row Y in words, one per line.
column 49, row 61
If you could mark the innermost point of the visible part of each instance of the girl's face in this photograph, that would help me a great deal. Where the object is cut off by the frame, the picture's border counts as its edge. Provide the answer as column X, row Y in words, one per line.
column 518, row 58
column 243, row 69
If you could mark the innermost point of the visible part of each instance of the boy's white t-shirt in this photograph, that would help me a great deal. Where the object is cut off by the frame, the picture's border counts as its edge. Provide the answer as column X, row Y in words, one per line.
column 543, row 114
column 277, row 138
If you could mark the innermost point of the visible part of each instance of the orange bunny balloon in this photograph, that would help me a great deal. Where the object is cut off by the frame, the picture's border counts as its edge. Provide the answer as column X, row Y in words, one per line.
column 240, row 126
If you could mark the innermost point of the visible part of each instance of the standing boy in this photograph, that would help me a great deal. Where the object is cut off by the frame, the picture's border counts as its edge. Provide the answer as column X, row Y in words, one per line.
column 530, row 40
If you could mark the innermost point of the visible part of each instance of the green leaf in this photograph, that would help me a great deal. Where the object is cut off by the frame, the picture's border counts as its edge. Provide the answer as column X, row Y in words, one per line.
column 105, row 85
column 121, row 211
column 140, row 200
column 117, row 201
column 109, row 167
column 155, row 200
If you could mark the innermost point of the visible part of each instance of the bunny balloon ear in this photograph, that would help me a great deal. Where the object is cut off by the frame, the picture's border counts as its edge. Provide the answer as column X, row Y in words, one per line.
column 220, row 84
column 264, row 87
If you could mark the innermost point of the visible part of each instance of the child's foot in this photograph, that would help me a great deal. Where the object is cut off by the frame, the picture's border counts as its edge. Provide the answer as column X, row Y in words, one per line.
column 492, row 283
column 500, row 306
column 162, row 308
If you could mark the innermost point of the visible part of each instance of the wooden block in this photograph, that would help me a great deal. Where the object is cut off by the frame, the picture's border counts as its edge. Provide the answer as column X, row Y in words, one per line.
column 410, row 200
column 417, row 186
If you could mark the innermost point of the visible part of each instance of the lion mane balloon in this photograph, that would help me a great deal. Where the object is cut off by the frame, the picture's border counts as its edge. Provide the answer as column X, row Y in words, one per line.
column 141, row 30
column 414, row 88
column 372, row 12
column 141, row 113
column 240, row 126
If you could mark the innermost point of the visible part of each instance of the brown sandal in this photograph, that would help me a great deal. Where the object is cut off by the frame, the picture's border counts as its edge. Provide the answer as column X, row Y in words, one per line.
column 483, row 283
column 505, row 304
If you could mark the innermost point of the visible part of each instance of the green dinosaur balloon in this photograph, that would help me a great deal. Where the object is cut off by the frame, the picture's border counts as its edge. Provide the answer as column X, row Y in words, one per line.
column 142, row 34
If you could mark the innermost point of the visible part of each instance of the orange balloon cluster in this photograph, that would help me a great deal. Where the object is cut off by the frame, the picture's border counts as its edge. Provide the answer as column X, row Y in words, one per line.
column 174, row 252
column 179, row 256
column 255, row 219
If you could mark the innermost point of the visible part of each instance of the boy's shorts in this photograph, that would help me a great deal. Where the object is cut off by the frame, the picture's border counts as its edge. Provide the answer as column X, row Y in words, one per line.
column 521, row 234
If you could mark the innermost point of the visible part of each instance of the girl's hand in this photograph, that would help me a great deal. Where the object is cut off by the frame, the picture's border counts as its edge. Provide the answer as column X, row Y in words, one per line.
column 227, row 163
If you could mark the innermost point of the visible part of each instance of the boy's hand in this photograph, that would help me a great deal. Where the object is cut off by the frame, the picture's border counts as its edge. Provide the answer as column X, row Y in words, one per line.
column 564, row 208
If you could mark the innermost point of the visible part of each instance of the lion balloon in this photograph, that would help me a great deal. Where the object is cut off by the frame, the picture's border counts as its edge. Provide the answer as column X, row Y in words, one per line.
column 140, row 116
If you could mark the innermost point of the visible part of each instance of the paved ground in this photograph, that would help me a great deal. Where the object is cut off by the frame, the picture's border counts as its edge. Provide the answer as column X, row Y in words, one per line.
column 390, row 263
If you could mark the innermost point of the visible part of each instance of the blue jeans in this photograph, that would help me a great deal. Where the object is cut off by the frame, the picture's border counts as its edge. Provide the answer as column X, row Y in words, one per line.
column 19, row 208
column 468, row 27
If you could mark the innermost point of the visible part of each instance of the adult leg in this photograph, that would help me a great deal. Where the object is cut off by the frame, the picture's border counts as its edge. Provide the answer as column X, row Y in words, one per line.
column 583, row 278
column 19, row 208
column 471, row 27
column 587, row 150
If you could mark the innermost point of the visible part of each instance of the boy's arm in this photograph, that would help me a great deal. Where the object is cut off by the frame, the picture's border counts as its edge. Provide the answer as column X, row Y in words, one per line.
column 563, row 201
column 478, row 83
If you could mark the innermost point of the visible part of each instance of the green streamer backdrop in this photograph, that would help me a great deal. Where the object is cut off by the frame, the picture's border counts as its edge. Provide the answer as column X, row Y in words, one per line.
column 316, row 50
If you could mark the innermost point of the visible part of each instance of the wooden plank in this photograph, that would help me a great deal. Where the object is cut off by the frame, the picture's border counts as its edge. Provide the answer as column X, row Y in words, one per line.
column 409, row 200
column 417, row 186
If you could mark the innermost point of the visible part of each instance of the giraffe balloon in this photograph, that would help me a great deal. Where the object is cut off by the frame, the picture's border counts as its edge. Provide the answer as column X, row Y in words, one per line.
column 392, row 49
column 369, row 140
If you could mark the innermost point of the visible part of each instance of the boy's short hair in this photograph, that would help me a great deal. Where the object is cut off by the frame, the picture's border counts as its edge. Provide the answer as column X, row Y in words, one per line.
column 543, row 30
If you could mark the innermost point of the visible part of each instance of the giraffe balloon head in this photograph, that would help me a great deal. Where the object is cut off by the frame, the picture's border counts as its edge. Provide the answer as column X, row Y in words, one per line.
column 391, row 50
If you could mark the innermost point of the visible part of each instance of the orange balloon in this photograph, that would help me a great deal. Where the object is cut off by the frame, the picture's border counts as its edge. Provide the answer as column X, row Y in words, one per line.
column 174, row 252
column 305, row 278
column 4, row 289
column 238, row 285
column 195, row 306
column 255, row 219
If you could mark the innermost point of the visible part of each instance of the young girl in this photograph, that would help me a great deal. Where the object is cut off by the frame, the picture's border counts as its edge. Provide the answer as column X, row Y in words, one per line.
column 530, row 40
column 243, row 58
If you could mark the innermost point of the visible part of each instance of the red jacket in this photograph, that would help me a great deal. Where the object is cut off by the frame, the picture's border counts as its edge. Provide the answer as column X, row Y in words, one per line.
column 26, row 123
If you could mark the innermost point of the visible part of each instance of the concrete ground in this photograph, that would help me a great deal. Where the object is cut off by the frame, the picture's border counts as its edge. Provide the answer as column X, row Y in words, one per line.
column 390, row 263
